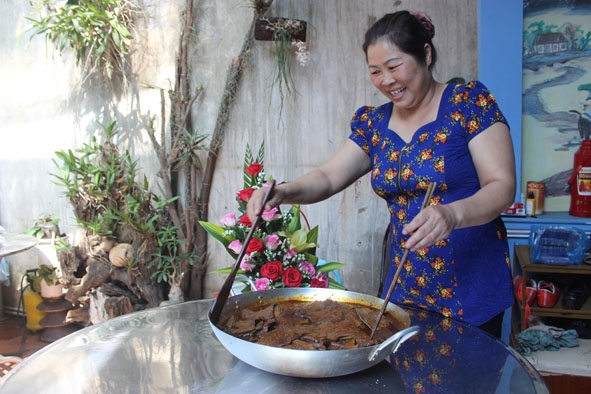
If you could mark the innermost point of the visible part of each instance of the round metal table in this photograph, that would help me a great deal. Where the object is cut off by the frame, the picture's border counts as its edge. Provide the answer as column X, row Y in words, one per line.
column 12, row 244
column 15, row 243
column 172, row 349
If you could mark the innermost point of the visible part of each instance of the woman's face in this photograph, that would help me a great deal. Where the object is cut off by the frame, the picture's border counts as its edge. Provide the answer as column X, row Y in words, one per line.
column 397, row 75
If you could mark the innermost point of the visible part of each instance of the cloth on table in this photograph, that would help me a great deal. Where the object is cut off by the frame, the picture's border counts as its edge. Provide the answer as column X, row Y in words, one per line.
column 543, row 337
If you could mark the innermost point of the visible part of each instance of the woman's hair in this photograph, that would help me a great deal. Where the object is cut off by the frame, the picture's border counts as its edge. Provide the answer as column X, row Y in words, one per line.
column 408, row 31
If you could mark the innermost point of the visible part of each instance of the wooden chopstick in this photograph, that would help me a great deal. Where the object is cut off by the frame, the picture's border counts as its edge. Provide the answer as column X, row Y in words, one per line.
column 428, row 195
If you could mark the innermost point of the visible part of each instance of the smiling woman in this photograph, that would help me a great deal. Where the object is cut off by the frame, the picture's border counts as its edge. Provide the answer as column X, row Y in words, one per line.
column 428, row 132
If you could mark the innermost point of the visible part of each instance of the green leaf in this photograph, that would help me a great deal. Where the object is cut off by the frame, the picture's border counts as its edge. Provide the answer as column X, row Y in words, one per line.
column 248, row 160
column 312, row 236
column 329, row 267
column 227, row 270
column 295, row 223
column 261, row 153
column 215, row 231
column 333, row 284
column 311, row 258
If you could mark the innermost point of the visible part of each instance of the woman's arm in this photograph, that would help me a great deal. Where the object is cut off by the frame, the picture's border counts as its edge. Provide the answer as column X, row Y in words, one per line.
column 492, row 153
column 346, row 166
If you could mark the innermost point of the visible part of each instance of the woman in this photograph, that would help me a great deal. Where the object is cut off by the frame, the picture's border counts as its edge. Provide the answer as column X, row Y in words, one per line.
column 428, row 131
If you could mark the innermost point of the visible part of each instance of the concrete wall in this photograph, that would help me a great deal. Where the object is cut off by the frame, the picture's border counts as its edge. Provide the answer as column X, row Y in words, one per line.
column 44, row 110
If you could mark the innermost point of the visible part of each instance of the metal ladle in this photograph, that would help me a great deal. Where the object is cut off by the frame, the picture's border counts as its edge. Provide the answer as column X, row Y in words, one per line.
column 227, row 286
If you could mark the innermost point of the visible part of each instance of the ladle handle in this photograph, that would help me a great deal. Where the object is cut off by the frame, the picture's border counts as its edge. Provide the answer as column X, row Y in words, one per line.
column 398, row 339
column 225, row 291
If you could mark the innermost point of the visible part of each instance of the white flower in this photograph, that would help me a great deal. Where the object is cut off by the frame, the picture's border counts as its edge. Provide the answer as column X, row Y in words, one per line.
column 302, row 54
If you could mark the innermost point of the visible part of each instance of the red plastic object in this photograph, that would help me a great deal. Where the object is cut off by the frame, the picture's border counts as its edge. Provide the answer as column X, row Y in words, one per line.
column 580, row 182
column 530, row 290
column 547, row 294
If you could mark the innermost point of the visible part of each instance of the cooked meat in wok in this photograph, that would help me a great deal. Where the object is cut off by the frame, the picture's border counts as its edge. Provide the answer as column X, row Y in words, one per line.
column 316, row 325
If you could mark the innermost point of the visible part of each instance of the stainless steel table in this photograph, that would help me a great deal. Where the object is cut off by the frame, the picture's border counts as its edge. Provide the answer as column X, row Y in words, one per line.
column 172, row 350
column 12, row 244
column 15, row 243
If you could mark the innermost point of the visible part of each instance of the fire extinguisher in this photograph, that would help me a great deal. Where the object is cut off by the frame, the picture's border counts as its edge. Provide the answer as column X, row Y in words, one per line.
column 580, row 182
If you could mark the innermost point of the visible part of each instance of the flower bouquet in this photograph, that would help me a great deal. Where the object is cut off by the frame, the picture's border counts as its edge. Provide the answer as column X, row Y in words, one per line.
column 281, row 253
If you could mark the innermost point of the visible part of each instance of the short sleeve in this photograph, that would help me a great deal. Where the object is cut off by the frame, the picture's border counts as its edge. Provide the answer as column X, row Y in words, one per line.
column 475, row 107
column 361, row 126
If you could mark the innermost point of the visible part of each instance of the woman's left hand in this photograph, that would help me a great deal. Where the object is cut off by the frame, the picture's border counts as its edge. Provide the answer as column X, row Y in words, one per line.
column 432, row 224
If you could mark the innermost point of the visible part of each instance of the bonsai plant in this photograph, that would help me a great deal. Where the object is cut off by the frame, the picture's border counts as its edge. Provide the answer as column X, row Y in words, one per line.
column 45, row 227
column 48, row 282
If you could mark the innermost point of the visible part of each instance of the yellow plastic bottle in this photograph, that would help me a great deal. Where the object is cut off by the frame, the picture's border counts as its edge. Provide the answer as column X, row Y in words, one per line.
column 31, row 299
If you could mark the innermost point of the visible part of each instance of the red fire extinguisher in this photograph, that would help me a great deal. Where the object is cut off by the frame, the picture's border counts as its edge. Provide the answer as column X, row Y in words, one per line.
column 580, row 182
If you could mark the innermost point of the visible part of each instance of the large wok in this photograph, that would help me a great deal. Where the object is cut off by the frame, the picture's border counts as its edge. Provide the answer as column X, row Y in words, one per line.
column 311, row 363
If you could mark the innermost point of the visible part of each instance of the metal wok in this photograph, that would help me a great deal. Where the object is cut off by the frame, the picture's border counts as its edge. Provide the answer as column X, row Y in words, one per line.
column 311, row 363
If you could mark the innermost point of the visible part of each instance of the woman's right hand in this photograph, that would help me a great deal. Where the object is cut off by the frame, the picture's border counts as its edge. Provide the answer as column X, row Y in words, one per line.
column 254, row 206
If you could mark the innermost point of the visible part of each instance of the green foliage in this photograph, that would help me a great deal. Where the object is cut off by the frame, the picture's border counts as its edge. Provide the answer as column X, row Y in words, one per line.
column 46, row 226
column 98, row 31
column 100, row 183
column 168, row 257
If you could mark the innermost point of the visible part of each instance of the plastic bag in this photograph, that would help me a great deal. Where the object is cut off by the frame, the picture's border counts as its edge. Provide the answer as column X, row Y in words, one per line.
column 558, row 245
column 4, row 273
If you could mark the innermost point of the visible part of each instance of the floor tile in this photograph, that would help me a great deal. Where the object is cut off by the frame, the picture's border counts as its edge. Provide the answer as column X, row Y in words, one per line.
column 16, row 339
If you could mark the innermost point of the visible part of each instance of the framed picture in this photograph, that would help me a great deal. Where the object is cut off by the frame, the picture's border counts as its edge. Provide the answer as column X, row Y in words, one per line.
column 556, row 93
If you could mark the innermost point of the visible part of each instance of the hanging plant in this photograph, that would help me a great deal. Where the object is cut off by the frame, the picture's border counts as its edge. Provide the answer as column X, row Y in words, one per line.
column 98, row 31
column 289, row 36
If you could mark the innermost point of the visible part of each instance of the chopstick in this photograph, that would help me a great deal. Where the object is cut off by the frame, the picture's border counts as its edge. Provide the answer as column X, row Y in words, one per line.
column 428, row 195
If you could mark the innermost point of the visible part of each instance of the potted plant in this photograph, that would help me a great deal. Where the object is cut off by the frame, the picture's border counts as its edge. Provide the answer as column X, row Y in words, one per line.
column 45, row 227
column 48, row 282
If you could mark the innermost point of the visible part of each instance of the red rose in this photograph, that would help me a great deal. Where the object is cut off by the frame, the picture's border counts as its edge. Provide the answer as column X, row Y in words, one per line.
column 319, row 281
column 272, row 270
column 245, row 194
column 255, row 245
column 292, row 277
column 245, row 220
column 254, row 169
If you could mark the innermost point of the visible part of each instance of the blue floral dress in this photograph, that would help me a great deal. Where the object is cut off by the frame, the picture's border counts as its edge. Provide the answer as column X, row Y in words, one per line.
column 466, row 276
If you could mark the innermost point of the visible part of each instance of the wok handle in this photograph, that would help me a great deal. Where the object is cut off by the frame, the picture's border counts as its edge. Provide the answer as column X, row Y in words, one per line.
column 400, row 337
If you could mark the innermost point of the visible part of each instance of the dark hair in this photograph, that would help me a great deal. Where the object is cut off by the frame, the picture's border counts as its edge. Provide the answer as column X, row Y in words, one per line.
column 409, row 32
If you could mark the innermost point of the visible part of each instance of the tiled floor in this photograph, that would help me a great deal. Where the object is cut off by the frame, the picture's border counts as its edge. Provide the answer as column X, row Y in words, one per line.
column 16, row 339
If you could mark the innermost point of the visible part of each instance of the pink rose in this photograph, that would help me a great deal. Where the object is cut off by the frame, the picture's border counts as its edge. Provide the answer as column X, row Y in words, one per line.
column 270, row 215
column 235, row 246
column 262, row 284
column 246, row 265
column 308, row 267
column 319, row 281
column 273, row 242
column 289, row 253
column 292, row 277
column 229, row 220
